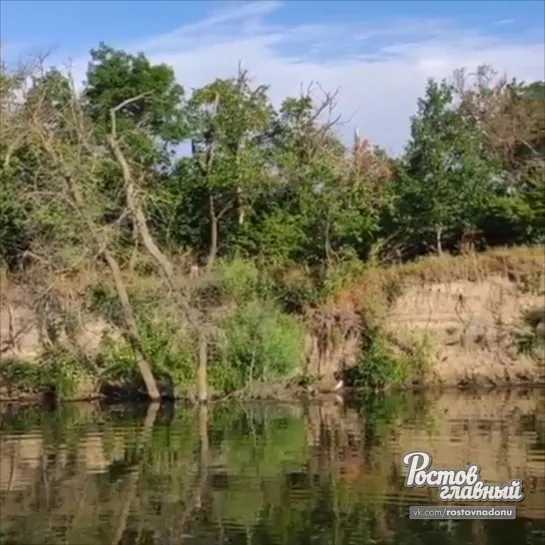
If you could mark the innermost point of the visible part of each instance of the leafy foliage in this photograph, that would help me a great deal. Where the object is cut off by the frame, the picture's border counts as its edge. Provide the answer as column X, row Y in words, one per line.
column 446, row 180
column 257, row 343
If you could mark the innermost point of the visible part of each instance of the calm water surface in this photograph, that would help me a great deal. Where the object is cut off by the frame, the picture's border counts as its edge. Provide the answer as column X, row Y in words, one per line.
column 321, row 474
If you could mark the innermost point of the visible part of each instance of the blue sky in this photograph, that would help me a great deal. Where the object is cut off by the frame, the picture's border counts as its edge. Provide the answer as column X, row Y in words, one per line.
column 78, row 24
column 378, row 53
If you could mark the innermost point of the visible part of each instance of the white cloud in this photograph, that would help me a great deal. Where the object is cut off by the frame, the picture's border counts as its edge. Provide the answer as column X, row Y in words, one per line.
column 380, row 68
column 505, row 22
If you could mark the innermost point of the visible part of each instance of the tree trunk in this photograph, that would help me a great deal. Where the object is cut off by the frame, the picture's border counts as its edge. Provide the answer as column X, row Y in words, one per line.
column 137, row 212
column 213, row 234
column 131, row 329
column 327, row 240
column 203, row 454
column 133, row 336
column 240, row 207
column 162, row 260
column 439, row 240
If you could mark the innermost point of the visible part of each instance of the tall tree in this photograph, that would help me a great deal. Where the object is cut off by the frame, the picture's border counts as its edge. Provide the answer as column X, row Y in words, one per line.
column 445, row 177
column 58, row 161
column 229, row 118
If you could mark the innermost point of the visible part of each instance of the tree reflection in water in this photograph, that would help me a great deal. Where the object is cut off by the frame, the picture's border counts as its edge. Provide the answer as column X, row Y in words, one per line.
column 261, row 474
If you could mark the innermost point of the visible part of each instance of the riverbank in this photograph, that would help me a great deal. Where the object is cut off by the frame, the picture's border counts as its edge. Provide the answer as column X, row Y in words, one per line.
column 468, row 321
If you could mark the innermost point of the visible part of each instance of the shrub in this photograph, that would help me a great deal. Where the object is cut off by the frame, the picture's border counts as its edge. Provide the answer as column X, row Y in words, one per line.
column 239, row 278
column 59, row 368
column 171, row 352
column 386, row 363
column 256, row 342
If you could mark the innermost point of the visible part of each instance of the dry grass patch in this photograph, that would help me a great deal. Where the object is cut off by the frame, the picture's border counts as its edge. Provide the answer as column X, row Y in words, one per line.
column 523, row 266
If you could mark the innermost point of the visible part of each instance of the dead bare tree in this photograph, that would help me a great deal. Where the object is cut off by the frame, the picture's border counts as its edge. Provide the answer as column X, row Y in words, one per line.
column 70, row 158
column 68, row 161
column 512, row 123
column 192, row 315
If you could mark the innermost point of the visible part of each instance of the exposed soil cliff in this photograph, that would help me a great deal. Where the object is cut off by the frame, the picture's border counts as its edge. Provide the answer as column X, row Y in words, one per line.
column 477, row 319
column 475, row 329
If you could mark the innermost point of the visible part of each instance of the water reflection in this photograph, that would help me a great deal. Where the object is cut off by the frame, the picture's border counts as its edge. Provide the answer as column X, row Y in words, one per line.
column 264, row 473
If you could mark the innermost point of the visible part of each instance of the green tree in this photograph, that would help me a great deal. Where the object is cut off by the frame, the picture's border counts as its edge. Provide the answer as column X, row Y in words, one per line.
column 25, row 171
column 228, row 167
column 338, row 192
column 150, row 122
column 445, row 179
column 150, row 101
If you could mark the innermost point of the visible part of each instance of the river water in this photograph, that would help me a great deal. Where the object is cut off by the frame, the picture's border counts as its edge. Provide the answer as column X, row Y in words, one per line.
column 322, row 473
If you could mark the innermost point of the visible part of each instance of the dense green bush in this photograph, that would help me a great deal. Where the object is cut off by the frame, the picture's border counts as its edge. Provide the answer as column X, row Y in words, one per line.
column 256, row 342
column 382, row 364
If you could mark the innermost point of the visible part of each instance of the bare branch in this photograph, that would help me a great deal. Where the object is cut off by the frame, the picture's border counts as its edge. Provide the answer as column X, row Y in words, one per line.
column 122, row 105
